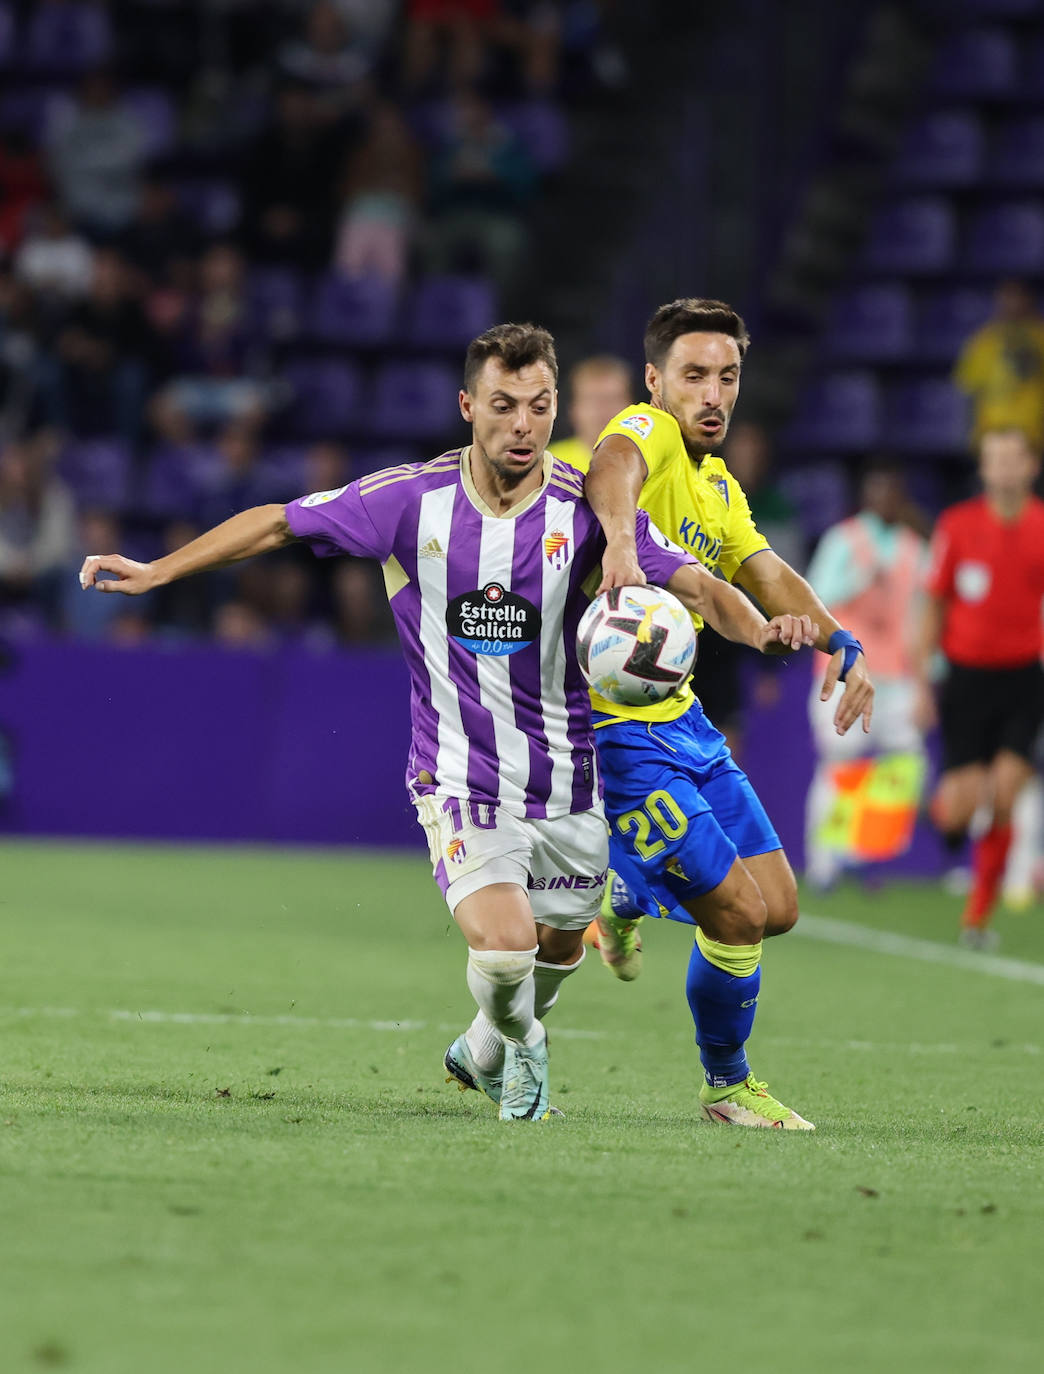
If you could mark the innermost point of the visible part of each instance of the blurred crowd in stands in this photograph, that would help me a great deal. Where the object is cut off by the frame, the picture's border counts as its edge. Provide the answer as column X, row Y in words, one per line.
column 242, row 245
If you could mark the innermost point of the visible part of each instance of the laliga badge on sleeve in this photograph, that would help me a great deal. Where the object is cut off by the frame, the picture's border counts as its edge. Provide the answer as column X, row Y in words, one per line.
column 320, row 498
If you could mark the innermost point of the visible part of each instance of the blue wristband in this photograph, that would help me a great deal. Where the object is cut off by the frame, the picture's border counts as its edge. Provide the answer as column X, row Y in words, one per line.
column 843, row 639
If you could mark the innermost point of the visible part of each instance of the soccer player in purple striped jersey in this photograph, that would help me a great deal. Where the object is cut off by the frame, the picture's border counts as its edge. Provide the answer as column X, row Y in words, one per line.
column 489, row 555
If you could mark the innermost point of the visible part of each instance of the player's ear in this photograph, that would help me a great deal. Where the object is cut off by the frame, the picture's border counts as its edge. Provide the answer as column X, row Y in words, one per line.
column 652, row 377
column 465, row 403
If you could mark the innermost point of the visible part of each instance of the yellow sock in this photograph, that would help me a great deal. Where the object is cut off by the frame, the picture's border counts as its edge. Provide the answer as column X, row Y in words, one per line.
column 738, row 960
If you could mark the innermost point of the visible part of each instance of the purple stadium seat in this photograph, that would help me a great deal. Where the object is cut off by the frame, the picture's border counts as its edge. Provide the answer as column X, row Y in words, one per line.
column 281, row 474
column 66, row 37
column 943, row 149
column 542, row 128
column 7, row 34
column 930, row 416
column 327, row 394
column 98, row 471
column 1033, row 71
column 1006, row 239
column 212, row 204
column 156, row 116
column 430, row 121
column 912, row 236
column 870, row 324
column 276, row 296
column 977, row 63
column 415, row 400
column 374, row 459
column 27, row 110
column 1017, row 154
column 176, row 479
column 979, row 9
column 840, row 413
column 819, row 495
column 359, row 310
column 447, row 312
column 946, row 318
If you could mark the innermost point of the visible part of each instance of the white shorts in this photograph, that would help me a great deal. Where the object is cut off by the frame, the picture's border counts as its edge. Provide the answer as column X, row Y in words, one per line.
column 561, row 863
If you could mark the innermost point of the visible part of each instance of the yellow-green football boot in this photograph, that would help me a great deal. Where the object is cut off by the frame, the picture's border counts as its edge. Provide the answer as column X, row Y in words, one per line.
column 749, row 1104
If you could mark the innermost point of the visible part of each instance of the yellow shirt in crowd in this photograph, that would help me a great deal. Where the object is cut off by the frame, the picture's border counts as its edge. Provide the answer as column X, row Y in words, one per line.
column 1001, row 368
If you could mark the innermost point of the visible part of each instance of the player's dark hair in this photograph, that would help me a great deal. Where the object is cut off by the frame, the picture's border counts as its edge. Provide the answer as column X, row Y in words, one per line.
column 515, row 345
column 692, row 315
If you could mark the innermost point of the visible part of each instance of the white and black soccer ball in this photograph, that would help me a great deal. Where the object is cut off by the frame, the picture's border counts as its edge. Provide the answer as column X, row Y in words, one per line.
column 636, row 645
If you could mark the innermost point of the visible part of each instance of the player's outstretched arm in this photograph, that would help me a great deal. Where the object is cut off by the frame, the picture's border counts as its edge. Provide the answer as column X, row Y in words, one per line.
column 613, row 486
column 251, row 532
column 732, row 615
column 779, row 589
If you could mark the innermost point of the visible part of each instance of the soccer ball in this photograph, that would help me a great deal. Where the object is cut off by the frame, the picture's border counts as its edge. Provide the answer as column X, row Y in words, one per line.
column 636, row 645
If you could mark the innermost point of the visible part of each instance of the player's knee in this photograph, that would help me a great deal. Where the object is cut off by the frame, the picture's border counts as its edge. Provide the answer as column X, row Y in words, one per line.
column 782, row 910
column 502, row 967
column 747, row 918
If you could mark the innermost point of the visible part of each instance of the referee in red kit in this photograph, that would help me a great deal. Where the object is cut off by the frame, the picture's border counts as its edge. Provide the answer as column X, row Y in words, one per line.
column 985, row 594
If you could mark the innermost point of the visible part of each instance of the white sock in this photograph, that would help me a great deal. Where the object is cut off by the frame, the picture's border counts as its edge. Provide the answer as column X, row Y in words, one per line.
column 501, row 982
column 547, row 979
column 485, row 1043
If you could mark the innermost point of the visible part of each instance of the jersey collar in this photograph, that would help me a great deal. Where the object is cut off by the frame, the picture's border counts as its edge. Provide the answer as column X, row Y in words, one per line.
column 470, row 490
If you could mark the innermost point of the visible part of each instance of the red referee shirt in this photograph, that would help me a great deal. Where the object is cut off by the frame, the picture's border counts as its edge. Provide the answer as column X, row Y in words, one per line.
column 990, row 575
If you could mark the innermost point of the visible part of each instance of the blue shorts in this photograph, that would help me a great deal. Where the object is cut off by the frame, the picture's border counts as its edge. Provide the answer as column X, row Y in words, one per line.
column 679, row 808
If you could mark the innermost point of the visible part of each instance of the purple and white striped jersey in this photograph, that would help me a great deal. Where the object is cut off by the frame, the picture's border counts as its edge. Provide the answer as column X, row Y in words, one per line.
column 486, row 608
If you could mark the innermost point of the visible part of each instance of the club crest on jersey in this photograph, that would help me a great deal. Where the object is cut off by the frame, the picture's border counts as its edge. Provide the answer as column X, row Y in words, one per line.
column 722, row 488
column 493, row 620
column 456, row 851
column 557, row 550
column 642, row 425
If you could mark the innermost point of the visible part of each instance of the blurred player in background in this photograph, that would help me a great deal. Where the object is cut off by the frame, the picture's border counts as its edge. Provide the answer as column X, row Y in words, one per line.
column 486, row 552
column 689, row 835
column 868, row 571
column 599, row 388
column 983, row 610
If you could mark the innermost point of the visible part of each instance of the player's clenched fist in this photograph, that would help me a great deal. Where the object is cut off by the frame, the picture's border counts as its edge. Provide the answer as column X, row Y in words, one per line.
column 129, row 577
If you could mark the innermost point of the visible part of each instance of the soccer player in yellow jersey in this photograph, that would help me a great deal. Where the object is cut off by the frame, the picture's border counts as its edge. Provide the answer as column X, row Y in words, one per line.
column 690, row 839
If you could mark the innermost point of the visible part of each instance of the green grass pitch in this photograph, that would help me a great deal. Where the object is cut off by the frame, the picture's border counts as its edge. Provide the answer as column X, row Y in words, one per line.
column 226, row 1143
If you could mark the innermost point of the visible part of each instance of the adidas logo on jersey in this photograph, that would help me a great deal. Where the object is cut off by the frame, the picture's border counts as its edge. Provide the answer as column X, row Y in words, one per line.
column 432, row 549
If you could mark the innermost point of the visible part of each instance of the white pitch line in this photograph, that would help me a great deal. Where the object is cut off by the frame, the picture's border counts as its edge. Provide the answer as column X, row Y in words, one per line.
column 219, row 1018
column 835, row 932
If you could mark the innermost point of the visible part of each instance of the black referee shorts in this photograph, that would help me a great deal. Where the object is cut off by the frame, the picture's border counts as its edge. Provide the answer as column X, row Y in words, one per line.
column 985, row 710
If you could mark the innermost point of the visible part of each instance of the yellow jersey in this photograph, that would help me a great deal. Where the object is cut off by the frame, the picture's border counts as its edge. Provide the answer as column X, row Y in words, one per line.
column 701, row 507
column 572, row 451
column 1001, row 367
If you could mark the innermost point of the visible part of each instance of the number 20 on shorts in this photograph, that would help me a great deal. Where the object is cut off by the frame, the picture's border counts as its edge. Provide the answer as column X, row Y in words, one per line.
column 661, row 813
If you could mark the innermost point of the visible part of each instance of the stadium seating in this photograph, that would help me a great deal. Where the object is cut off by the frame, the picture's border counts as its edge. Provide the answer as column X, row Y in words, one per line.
column 447, row 312
column 872, row 323
column 838, row 414
column 1006, row 240
column 326, row 396
column 945, row 317
column 929, row 416
column 944, row 149
column 977, row 63
column 413, row 400
column 98, row 472
column 1017, row 154
column 356, row 312
column 912, row 237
